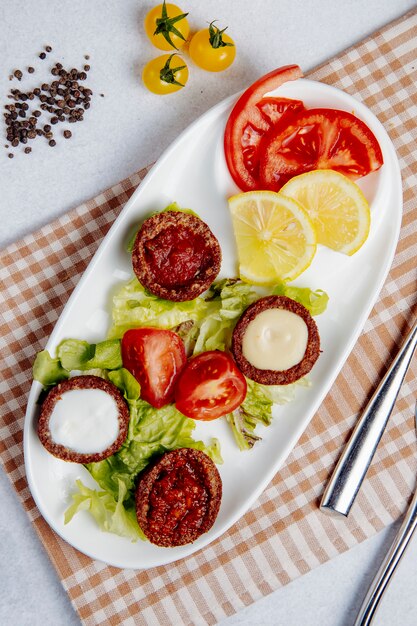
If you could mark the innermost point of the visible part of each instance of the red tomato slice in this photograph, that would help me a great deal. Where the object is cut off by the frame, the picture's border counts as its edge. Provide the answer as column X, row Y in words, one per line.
column 155, row 357
column 210, row 385
column 272, row 110
column 249, row 121
column 318, row 139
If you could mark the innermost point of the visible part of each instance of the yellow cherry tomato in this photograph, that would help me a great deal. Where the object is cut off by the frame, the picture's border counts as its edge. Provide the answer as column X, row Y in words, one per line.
column 167, row 26
column 211, row 49
column 165, row 74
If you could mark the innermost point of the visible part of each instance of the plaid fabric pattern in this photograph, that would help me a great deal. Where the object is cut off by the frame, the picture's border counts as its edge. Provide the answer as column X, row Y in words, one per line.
column 284, row 535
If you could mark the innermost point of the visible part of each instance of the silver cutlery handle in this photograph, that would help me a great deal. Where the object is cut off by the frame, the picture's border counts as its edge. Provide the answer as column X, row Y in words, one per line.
column 353, row 464
column 388, row 566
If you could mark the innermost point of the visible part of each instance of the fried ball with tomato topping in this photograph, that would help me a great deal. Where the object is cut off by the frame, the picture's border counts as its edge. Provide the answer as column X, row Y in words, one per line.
column 276, row 341
column 176, row 256
column 178, row 497
column 83, row 419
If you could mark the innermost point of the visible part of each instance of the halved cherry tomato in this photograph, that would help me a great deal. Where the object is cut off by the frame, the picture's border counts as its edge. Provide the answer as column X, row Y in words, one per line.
column 209, row 386
column 247, row 124
column 155, row 357
column 317, row 139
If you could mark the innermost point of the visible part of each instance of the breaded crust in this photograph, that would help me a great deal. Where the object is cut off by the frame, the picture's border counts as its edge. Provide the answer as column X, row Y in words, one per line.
column 82, row 382
column 186, row 286
column 274, row 377
column 178, row 497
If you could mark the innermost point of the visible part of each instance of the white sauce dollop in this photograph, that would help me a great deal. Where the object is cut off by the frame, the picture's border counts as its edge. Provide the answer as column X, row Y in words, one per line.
column 85, row 420
column 276, row 339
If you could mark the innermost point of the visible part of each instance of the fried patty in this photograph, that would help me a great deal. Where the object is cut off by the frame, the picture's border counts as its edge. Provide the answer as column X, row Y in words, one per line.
column 176, row 256
column 81, row 382
column 178, row 497
column 276, row 377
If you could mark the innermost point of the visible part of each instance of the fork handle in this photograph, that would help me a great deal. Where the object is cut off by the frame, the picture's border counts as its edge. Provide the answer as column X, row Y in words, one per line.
column 387, row 569
column 353, row 464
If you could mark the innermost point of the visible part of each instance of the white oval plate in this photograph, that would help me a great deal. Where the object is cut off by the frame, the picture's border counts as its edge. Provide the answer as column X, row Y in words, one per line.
column 193, row 173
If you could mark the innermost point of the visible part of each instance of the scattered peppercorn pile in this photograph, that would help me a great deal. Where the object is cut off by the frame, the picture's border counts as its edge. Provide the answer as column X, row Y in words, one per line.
column 34, row 112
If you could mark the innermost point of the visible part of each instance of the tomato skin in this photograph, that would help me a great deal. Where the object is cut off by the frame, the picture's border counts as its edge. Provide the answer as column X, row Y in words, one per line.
column 208, row 58
column 155, row 357
column 151, row 76
column 209, row 386
column 317, row 139
column 244, row 114
column 159, row 40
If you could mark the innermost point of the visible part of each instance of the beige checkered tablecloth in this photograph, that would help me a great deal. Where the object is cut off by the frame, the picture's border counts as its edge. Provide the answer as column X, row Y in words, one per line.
column 284, row 535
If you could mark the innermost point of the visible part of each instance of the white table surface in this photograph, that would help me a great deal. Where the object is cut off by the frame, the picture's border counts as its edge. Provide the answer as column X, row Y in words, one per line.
column 122, row 132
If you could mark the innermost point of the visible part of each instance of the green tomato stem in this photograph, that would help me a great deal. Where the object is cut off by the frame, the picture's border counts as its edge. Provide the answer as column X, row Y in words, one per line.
column 167, row 73
column 165, row 26
column 216, row 36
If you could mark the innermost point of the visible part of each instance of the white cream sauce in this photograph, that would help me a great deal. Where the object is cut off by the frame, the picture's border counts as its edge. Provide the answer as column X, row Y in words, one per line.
column 85, row 420
column 276, row 339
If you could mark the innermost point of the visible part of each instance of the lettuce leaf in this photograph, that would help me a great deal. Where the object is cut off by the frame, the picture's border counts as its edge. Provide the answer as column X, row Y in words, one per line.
column 134, row 306
column 213, row 316
column 75, row 354
column 127, row 383
column 314, row 301
column 282, row 394
column 110, row 513
column 206, row 323
column 47, row 370
column 256, row 409
column 226, row 300
column 174, row 206
column 151, row 433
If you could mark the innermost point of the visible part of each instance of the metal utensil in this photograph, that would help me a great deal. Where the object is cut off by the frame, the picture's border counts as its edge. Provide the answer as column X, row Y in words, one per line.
column 387, row 569
column 353, row 464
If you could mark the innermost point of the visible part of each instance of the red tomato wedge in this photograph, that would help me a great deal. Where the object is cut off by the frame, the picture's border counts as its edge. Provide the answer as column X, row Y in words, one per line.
column 210, row 385
column 155, row 357
column 251, row 117
column 317, row 139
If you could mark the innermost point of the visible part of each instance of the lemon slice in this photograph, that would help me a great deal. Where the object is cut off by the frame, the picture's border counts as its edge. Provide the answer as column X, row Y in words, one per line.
column 336, row 205
column 274, row 236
